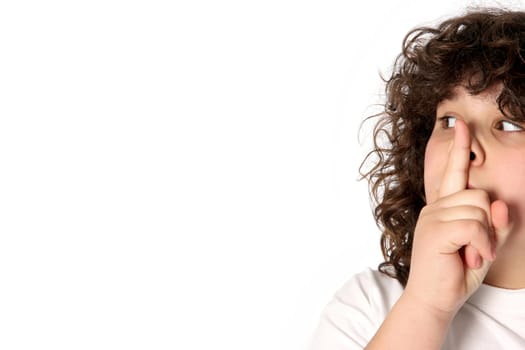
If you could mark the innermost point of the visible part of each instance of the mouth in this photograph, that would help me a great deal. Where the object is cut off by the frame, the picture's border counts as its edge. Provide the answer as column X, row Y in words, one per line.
column 492, row 196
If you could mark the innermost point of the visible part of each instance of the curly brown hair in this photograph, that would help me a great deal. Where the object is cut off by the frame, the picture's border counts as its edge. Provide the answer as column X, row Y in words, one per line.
column 479, row 49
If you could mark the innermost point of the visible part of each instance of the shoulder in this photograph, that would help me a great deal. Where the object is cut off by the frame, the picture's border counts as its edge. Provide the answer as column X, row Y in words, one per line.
column 370, row 292
column 357, row 310
column 372, row 288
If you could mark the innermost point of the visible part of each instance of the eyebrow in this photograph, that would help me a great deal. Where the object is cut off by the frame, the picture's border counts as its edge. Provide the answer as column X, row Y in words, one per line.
column 486, row 94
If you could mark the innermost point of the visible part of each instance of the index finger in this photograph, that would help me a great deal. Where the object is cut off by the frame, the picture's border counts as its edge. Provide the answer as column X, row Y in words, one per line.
column 455, row 178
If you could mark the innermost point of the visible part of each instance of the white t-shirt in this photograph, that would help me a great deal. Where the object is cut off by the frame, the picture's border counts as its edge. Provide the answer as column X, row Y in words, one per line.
column 493, row 318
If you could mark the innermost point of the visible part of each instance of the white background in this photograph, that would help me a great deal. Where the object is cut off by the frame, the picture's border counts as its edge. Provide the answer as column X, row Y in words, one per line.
column 183, row 175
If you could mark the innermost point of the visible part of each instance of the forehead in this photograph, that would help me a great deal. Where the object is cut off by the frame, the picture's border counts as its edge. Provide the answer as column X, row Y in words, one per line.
column 461, row 94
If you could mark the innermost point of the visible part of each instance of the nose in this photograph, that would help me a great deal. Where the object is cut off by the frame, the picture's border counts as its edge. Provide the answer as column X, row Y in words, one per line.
column 477, row 155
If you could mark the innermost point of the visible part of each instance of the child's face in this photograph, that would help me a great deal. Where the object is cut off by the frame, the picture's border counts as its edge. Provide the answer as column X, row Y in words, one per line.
column 497, row 142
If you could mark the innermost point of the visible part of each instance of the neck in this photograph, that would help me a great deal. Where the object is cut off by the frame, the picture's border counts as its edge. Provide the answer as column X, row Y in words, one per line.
column 508, row 270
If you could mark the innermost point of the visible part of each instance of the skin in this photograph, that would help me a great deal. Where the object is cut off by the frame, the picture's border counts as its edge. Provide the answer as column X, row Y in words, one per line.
column 470, row 230
column 498, row 170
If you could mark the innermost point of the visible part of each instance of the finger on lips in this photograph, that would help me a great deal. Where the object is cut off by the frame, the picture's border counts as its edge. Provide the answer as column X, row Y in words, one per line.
column 455, row 180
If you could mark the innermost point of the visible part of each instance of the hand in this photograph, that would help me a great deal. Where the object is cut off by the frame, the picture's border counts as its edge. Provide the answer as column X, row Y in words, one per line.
column 456, row 237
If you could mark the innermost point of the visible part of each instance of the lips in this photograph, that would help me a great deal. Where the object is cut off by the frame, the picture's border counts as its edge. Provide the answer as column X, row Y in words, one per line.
column 490, row 193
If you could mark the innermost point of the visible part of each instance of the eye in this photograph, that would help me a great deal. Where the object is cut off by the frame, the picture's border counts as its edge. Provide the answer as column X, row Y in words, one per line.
column 508, row 126
column 447, row 122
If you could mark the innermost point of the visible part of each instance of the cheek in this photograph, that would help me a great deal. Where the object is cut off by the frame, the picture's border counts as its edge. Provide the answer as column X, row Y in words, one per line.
column 508, row 179
column 508, row 183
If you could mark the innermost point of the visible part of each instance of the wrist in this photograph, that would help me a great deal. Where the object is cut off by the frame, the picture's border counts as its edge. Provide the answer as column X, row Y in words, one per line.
column 412, row 324
column 425, row 312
